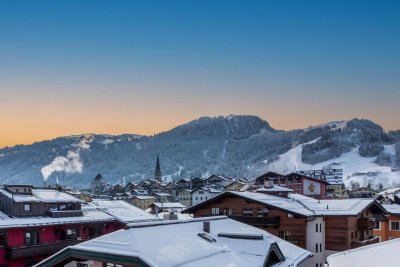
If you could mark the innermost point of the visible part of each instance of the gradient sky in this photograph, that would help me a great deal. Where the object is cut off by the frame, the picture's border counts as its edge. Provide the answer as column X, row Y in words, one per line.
column 69, row 67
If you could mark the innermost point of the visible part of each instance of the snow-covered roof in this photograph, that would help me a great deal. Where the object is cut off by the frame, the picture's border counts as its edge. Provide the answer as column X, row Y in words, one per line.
column 392, row 209
column 274, row 188
column 169, row 205
column 390, row 191
column 41, row 195
column 380, row 254
column 89, row 215
column 189, row 249
column 144, row 197
column 328, row 207
column 123, row 211
column 208, row 189
column 278, row 202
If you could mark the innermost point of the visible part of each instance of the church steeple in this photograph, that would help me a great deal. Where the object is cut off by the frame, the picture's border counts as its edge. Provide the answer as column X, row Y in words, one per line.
column 157, row 174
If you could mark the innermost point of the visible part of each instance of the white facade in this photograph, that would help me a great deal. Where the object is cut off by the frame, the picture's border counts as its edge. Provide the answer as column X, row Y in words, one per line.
column 316, row 241
column 203, row 194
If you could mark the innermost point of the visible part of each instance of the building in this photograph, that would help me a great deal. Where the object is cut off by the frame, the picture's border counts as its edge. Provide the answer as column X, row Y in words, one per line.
column 37, row 222
column 300, row 184
column 362, row 192
column 203, row 193
column 320, row 226
column 158, row 207
column 143, row 202
column 381, row 254
column 334, row 178
column 218, row 180
column 184, row 197
column 157, row 172
column 390, row 228
column 98, row 185
column 215, row 241
column 235, row 186
column 122, row 211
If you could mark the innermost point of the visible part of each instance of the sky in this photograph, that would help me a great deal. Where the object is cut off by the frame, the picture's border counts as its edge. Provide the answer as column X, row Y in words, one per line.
column 71, row 67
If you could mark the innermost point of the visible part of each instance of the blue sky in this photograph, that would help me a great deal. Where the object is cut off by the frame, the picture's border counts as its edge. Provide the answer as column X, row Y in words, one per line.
column 156, row 64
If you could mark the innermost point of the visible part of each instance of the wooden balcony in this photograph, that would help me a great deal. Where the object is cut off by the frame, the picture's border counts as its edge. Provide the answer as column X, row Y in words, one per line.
column 357, row 244
column 257, row 221
column 365, row 224
column 65, row 213
column 39, row 250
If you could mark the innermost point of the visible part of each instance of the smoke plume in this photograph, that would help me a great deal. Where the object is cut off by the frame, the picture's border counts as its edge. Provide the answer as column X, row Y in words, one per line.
column 70, row 163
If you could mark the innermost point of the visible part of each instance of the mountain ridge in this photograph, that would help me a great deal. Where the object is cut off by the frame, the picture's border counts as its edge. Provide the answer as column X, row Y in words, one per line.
column 236, row 145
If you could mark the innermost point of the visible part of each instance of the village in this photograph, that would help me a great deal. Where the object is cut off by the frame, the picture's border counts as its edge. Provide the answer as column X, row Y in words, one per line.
column 298, row 219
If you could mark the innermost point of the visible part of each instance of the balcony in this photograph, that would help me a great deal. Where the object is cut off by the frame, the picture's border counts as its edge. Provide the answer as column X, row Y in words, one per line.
column 39, row 250
column 365, row 224
column 357, row 244
column 257, row 221
column 65, row 213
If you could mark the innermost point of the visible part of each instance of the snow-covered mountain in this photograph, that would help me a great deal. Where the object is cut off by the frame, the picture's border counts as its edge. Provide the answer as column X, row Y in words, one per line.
column 237, row 146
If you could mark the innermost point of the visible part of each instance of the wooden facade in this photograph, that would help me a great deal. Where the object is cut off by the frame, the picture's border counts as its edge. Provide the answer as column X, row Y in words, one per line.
column 288, row 226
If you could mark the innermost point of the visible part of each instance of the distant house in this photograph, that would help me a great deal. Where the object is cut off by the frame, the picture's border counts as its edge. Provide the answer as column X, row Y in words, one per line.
column 299, row 183
column 218, row 180
column 185, row 197
column 202, row 194
column 130, row 186
column 143, row 202
column 362, row 192
column 98, row 185
column 234, row 186
column 198, row 242
column 158, row 207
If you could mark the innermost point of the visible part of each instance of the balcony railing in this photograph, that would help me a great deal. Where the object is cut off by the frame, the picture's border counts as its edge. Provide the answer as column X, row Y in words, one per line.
column 65, row 213
column 257, row 221
column 365, row 224
column 357, row 244
column 39, row 249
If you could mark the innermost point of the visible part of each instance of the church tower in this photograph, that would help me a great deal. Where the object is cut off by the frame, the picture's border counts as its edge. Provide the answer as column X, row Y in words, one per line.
column 157, row 174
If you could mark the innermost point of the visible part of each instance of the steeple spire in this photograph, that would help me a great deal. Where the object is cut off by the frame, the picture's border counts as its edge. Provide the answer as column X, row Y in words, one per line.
column 157, row 174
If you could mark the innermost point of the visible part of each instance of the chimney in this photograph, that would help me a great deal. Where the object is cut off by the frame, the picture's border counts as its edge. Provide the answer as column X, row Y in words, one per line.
column 206, row 227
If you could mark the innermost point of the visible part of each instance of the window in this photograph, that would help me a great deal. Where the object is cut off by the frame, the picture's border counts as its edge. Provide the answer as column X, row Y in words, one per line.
column 3, row 239
column 377, row 225
column 70, row 234
column 320, row 247
column 316, row 227
column 31, row 238
column 247, row 212
column 395, row 225
column 201, row 192
column 263, row 212
column 316, row 247
column 230, row 212
column 286, row 235
column 320, row 227
column 27, row 207
column 82, row 264
column 113, row 265
column 95, row 231
column 53, row 207
column 215, row 211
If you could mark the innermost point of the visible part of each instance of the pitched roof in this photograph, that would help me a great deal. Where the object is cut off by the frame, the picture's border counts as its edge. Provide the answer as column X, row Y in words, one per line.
column 41, row 195
column 380, row 254
column 286, row 204
column 123, row 211
column 229, row 243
